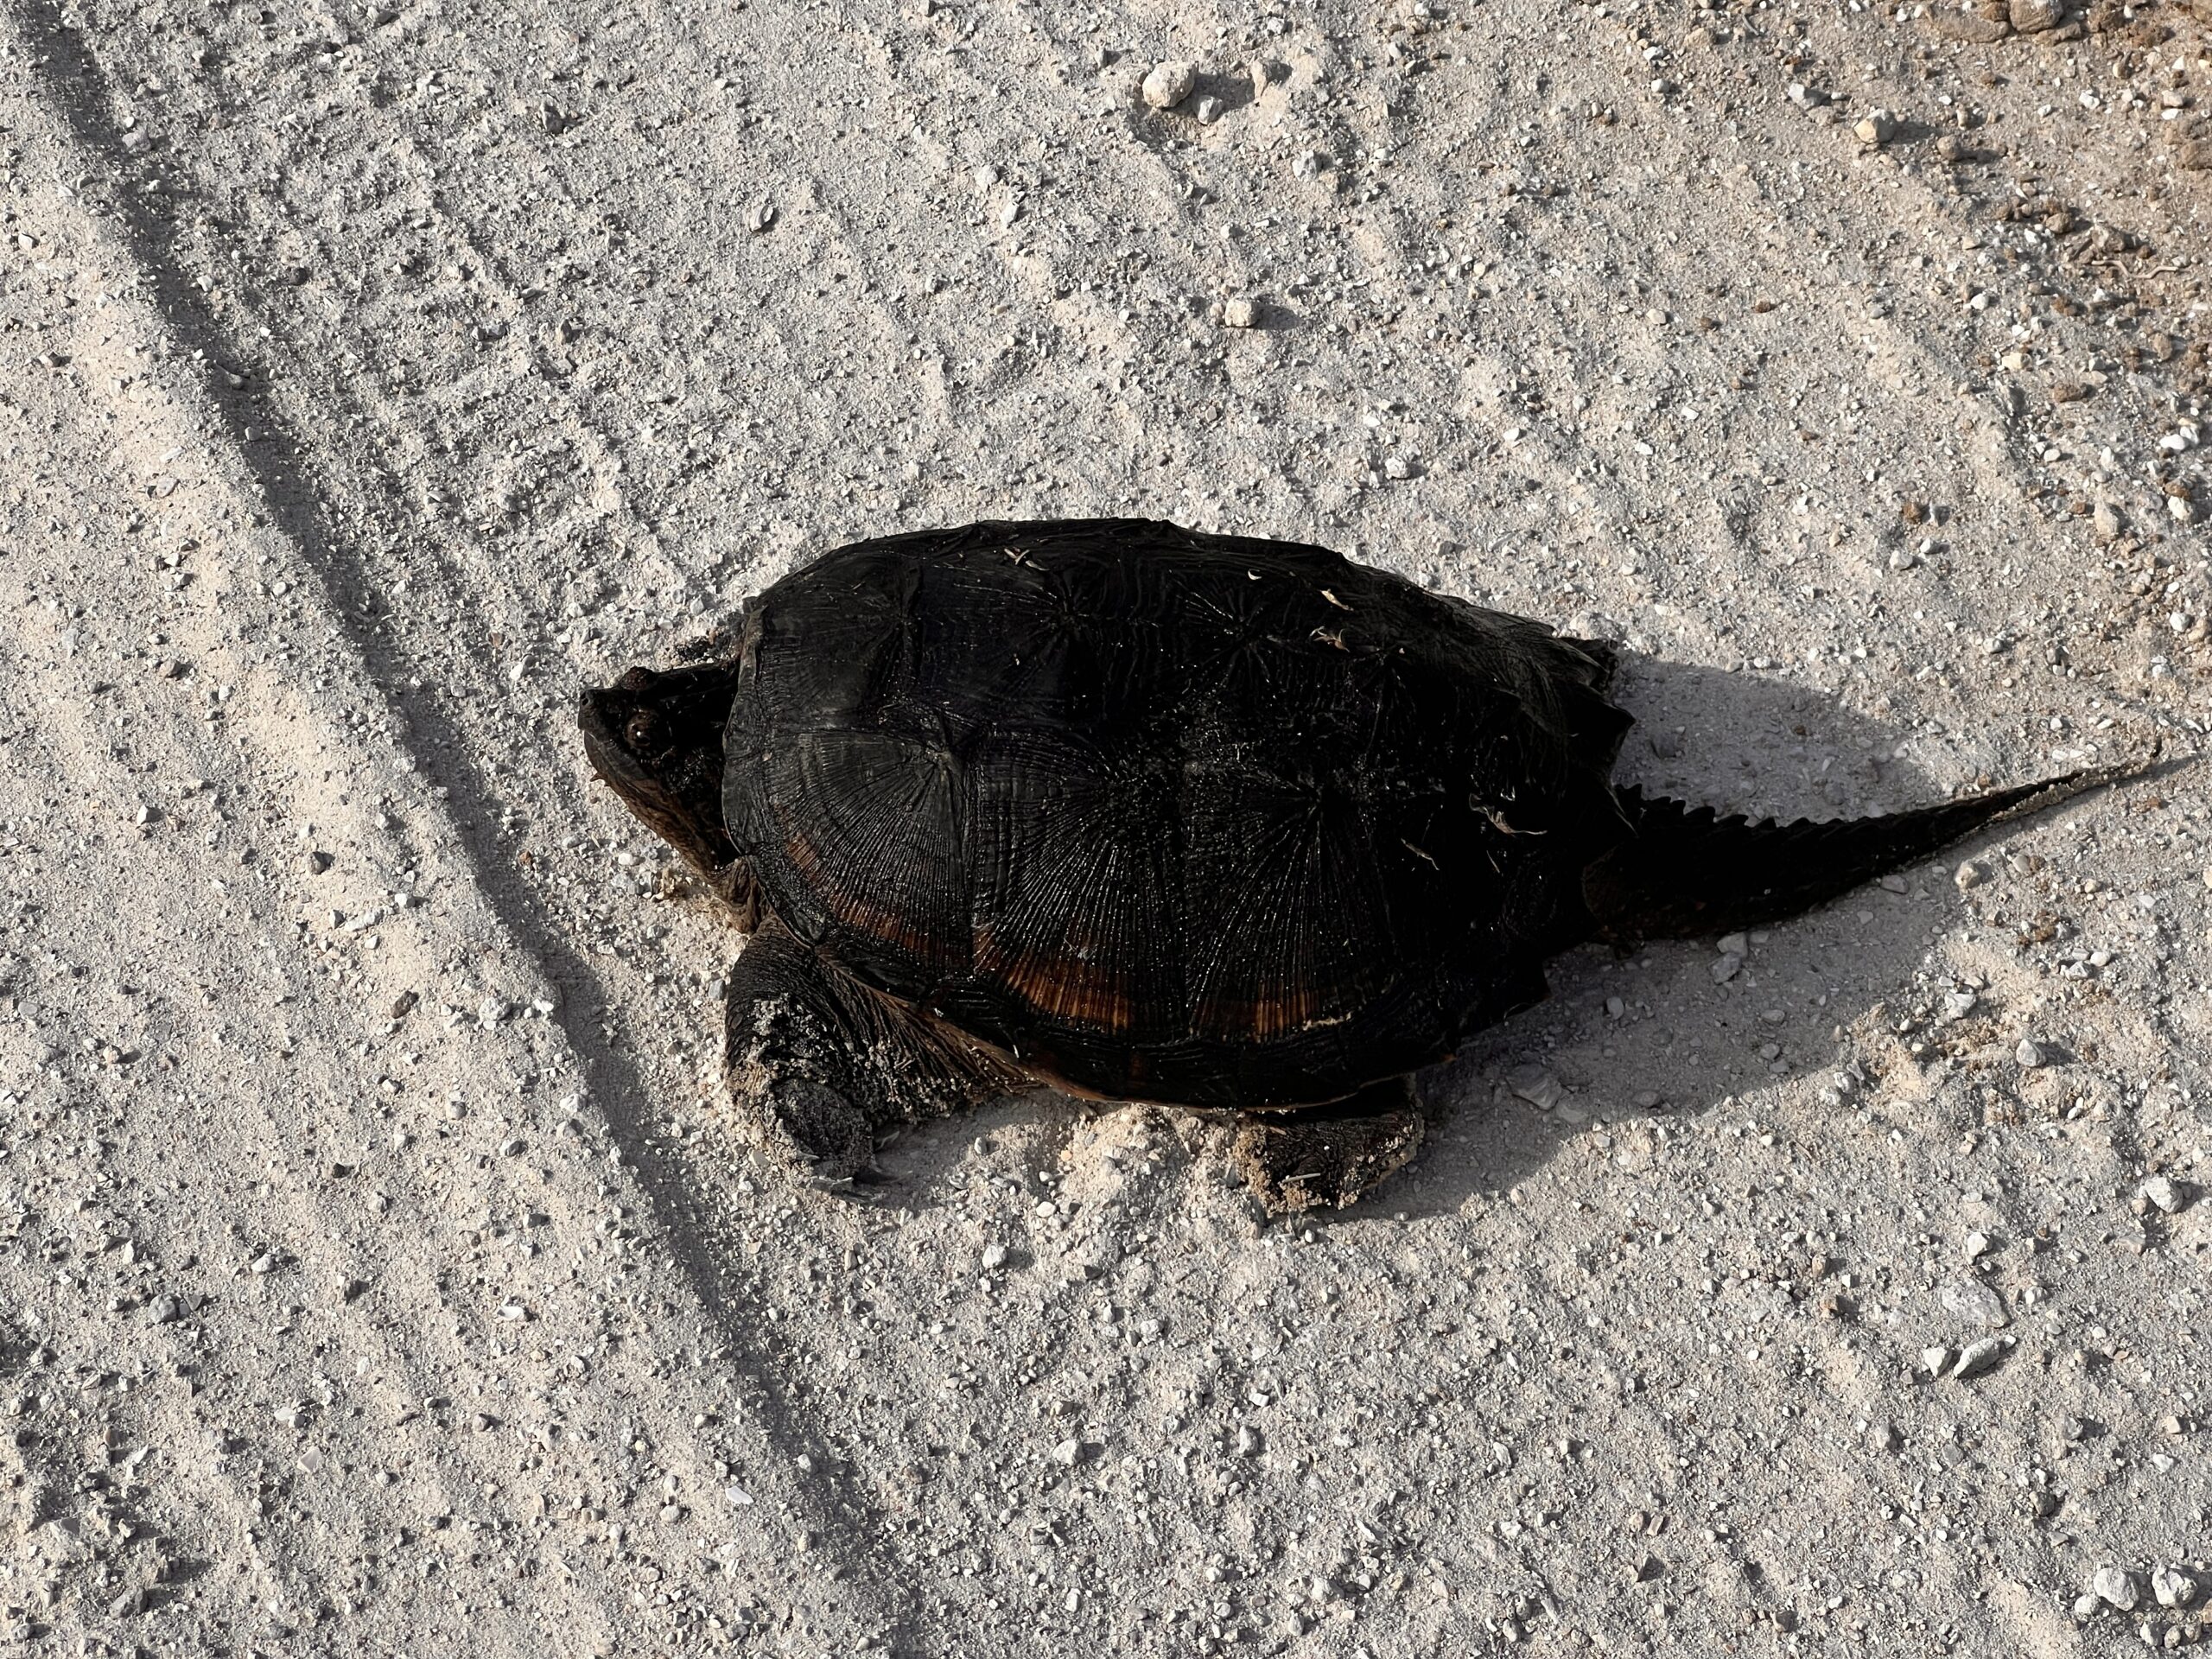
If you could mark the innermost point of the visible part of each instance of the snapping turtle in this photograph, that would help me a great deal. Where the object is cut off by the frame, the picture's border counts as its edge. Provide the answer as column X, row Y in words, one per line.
column 1148, row 813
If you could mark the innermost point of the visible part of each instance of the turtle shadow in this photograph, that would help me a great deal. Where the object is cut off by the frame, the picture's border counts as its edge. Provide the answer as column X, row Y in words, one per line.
column 1669, row 1029
column 1628, row 1035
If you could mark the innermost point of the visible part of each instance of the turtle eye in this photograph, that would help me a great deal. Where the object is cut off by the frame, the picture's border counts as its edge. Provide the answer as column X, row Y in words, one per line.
column 642, row 732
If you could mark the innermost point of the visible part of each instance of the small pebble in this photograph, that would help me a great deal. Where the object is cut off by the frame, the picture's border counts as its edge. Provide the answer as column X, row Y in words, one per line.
column 2161, row 1192
column 1972, row 1300
column 1210, row 110
column 1169, row 83
column 1876, row 127
column 2116, row 1586
column 1976, row 1357
column 1936, row 1359
column 2029, row 1054
column 1240, row 313
column 2033, row 17
column 2172, row 1586
column 2107, row 521
column 1970, row 874
column 1536, row 1086
column 993, row 1257
column 1247, row 1441
column 1977, row 1246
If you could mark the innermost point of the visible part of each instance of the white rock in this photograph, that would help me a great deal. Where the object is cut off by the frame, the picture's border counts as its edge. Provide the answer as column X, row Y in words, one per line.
column 2161, row 1191
column 1972, row 1300
column 2116, row 1586
column 993, row 1257
column 2033, row 17
column 1976, row 1357
column 1240, row 313
column 1970, row 874
column 2027, row 1054
column 2172, row 1586
column 1978, row 1245
column 1169, row 83
column 1876, row 127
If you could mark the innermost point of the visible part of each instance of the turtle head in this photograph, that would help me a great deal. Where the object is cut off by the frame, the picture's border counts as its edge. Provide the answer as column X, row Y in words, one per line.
column 655, row 740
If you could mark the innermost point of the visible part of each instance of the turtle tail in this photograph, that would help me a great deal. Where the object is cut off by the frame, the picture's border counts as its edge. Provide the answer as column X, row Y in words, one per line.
column 1684, row 870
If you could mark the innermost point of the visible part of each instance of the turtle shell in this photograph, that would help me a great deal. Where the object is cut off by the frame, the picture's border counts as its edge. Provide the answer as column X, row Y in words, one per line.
column 1166, row 816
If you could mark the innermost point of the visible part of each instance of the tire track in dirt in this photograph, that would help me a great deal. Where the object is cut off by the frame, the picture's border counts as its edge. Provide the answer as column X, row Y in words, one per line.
column 305, row 539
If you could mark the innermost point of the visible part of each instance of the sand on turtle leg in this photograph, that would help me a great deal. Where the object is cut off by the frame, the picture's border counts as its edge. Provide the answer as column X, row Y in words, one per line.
column 1321, row 1157
column 819, row 1066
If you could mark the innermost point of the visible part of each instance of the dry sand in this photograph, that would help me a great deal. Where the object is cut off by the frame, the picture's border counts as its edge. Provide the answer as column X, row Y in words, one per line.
column 382, row 1274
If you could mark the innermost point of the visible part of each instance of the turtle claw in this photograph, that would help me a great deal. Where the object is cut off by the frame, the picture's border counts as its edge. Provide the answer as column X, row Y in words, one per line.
column 865, row 1186
column 1327, row 1157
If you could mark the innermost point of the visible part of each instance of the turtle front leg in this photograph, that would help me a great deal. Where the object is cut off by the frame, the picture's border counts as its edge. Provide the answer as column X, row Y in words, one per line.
column 819, row 1064
column 1328, row 1156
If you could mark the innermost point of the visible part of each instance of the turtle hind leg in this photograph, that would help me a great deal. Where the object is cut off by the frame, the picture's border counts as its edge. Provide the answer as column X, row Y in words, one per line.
column 1325, row 1157
column 820, row 1066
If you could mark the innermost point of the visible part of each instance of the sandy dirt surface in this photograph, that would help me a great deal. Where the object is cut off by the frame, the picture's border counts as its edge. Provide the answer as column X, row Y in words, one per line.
column 382, row 1273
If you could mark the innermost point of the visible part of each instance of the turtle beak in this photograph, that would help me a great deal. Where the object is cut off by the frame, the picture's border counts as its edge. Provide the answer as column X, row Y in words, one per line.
column 654, row 740
column 601, row 715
